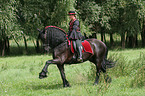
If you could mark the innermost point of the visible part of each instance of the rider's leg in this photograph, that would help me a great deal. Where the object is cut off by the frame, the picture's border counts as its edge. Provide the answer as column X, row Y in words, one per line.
column 79, row 49
column 75, row 49
column 74, row 45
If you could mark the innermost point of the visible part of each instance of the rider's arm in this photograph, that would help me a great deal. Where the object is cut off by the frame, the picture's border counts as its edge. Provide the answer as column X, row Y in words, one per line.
column 75, row 27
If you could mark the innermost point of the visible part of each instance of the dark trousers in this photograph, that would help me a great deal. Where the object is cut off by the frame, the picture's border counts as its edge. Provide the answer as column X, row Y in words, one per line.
column 77, row 44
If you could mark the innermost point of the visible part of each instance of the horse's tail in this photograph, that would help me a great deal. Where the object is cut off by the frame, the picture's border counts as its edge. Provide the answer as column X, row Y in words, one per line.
column 107, row 63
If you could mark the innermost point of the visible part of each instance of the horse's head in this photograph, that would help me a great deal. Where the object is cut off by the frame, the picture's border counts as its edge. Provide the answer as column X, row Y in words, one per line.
column 51, row 37
column 43, row 37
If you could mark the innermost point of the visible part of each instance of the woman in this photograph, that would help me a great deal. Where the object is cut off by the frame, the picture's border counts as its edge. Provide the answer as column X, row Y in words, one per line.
column 74, row 34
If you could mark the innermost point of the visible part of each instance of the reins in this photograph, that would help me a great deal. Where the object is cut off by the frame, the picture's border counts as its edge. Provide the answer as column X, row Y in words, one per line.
column 45, row 37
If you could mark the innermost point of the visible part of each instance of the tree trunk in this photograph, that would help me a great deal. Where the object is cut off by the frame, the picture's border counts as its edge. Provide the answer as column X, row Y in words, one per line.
column 111, row 39
column 0, row 47
column 143, row 34
column 85, row 36
column 17, row 43
column 7, row 46
column 25, row 42
column 123, row 40
column 105, row 38
column 94, row 35
column 102, row 36
column 143, row 39
column 136, row 41
column 132, row 42
column 127, row 39
column 3, row 47
column 37, row 46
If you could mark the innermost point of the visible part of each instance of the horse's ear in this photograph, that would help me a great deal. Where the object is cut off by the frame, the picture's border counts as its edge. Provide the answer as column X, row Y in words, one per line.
column 39, row 30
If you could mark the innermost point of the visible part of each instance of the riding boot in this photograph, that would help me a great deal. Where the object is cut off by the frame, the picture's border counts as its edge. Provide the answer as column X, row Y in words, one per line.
column 80, row 59
column 74, row 46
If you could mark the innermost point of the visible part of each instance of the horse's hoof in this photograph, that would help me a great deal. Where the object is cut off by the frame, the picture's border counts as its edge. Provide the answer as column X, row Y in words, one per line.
column 95, row 84
column 108, row 79
column 68, row 85
column 42, row 75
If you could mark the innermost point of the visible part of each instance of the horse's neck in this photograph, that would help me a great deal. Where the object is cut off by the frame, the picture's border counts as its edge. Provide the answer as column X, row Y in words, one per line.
column 60, row 48
column 61, row 45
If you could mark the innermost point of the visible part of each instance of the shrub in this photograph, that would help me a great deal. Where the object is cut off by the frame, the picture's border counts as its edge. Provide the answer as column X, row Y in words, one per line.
column 138, row 73
column 138, row 80
column 121, row 65
column 133, row 69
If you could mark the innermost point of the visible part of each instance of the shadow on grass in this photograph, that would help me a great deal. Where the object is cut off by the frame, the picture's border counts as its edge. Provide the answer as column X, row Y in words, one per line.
column 47, row 86
column 117, row 45
column 56, row 86
column 31, row 51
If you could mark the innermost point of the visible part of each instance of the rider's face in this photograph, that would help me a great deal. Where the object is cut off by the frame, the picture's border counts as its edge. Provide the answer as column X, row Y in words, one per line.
column 71, row 17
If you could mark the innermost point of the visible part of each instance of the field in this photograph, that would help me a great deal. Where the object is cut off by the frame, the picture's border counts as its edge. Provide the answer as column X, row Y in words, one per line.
column 19, row 77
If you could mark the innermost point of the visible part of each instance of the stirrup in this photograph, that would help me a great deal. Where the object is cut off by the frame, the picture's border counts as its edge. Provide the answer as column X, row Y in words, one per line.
column 80, row 59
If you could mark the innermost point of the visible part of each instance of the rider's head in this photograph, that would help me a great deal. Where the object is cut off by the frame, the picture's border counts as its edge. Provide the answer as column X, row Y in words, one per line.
column 72, row 15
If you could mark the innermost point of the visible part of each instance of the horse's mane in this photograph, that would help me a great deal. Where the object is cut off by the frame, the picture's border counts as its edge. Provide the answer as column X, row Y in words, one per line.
column 55, row 36
column 56, row 28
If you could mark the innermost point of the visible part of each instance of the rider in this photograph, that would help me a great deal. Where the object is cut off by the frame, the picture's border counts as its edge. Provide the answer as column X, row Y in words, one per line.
column 75, row 35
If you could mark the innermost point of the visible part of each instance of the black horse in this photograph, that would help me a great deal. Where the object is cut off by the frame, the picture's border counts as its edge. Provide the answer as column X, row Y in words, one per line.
column 56, row 39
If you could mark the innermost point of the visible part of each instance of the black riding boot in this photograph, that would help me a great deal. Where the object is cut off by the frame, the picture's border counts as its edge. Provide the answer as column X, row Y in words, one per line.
column 80, row 59
column 79, row 50
column 74, row 46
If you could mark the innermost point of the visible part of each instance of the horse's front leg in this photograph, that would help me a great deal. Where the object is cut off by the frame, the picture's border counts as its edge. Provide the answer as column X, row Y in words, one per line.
column 44, row 71
column 61, row 69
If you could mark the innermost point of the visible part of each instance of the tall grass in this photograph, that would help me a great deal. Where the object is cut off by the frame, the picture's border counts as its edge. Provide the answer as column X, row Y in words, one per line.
column 135, row 70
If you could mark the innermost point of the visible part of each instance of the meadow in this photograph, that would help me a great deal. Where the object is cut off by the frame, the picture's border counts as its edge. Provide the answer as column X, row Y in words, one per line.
column 19, row 76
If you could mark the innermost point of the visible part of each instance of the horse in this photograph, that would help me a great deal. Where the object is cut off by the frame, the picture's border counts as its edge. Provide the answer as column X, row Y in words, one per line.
column 55, row 38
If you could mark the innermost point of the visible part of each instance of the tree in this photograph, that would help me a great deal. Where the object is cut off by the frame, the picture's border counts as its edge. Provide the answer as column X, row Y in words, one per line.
column 33, row 14
column 8, row 25
column 93, row 16
column 142, row 22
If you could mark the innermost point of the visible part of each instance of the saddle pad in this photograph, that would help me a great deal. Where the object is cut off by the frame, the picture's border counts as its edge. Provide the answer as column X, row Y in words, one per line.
column 86, row 47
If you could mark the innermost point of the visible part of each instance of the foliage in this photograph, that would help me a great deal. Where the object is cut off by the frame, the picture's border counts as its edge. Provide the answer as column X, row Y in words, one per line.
column 39, row 14
column 93, row 15
column 21, row 18
column 123, row 17
column 8, row 25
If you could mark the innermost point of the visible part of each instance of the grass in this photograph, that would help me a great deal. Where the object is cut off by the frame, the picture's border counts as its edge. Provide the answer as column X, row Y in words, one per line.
column 19, row 77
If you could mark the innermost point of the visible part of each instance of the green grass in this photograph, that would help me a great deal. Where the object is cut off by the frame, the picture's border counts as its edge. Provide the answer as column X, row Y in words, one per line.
column 19, row 77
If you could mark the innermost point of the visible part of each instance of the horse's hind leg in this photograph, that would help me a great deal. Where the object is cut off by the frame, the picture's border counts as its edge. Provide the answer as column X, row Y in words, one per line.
column 65, row 82
column 98, row 68
column 107, row 78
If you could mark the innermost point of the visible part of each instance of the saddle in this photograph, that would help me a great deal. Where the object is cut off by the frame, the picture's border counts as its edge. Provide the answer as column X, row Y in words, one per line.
column 86, row 47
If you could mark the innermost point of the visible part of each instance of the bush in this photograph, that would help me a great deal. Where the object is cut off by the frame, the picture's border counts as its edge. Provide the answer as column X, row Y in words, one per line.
column 133, row 69
column 138, row 73
column 138, row 80
column 121, row 66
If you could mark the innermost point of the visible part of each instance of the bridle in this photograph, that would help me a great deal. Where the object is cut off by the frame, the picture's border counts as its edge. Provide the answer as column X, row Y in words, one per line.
column 46, row 43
